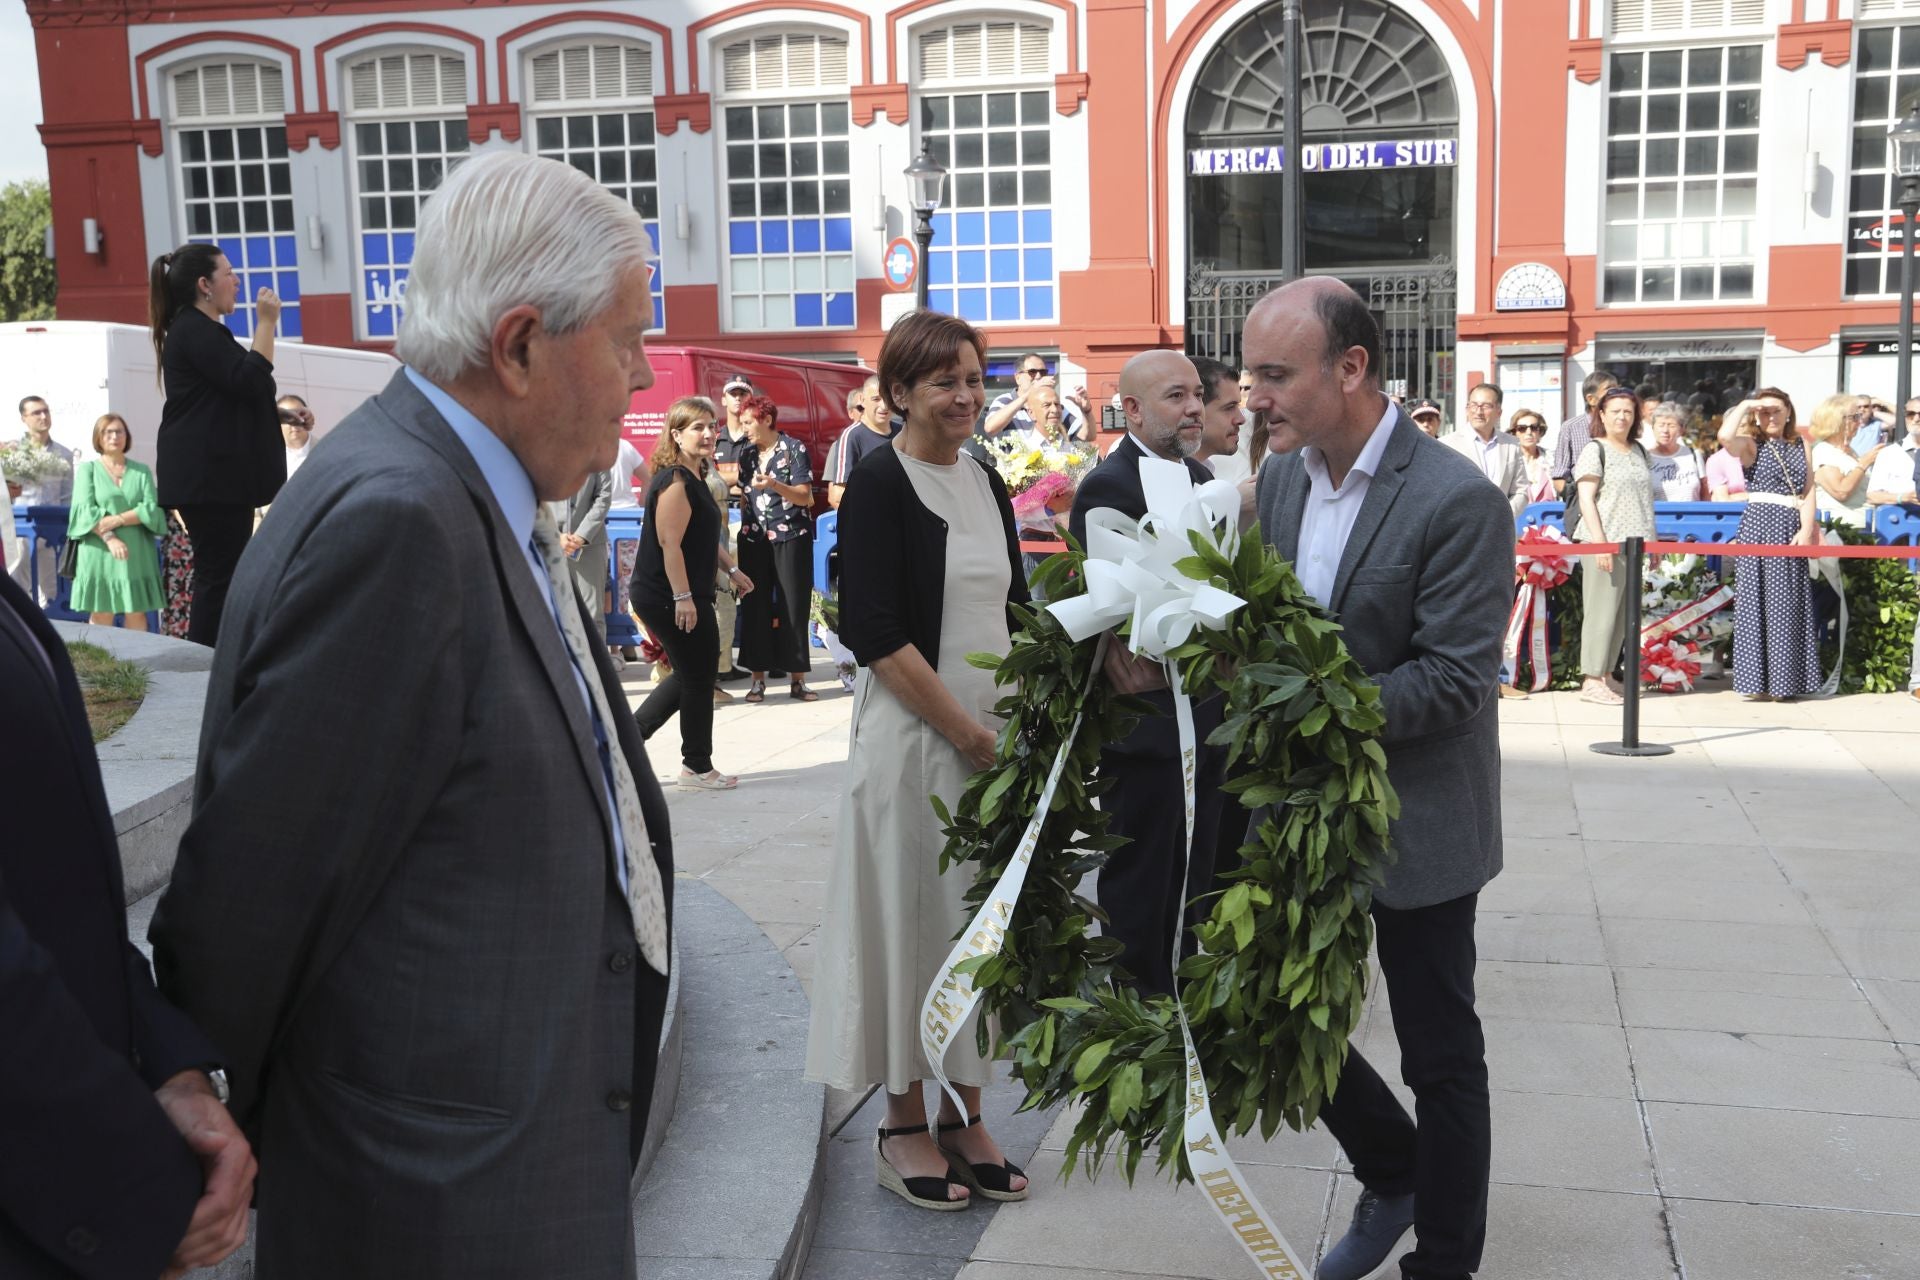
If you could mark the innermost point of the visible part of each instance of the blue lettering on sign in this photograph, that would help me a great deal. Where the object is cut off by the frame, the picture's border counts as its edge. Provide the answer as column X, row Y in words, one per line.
column 1424, row 153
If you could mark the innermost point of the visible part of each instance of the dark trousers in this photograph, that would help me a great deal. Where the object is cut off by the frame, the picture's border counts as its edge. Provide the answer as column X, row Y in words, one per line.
column 219, row 533
column 1427, row 959
column 1142, row 886
column 773, row 623
column 695, row 656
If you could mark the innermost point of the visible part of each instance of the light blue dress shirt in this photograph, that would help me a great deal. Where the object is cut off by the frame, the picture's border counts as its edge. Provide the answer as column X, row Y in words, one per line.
column 513, row 491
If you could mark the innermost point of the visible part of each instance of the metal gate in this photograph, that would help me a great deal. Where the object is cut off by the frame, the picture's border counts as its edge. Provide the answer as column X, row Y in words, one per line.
column 1415, row 307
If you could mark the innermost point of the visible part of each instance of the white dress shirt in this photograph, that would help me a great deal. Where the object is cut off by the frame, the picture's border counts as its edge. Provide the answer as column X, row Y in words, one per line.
column 1330, row 512
column 1893, row 471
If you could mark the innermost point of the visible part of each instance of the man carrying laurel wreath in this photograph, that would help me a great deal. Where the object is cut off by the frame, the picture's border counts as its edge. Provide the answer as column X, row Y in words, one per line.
column 1146, row 884
column 1407, row 545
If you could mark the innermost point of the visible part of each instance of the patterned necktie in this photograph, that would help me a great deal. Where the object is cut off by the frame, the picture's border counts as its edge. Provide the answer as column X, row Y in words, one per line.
column 644, row 895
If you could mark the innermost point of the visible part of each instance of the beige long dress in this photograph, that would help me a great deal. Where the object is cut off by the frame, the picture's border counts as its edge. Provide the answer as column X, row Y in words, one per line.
column 891, row 917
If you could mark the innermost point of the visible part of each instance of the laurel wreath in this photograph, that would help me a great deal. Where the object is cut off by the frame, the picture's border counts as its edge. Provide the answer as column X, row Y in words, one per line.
column 1278, row 985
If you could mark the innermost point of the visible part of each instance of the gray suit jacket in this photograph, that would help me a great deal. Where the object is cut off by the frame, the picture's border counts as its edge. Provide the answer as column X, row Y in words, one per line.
column 586, row 517
column 1509, row 474
column 395, row 910
column 1423, row 591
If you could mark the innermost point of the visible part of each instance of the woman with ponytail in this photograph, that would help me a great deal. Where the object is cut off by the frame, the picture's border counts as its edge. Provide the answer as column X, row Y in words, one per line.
column 220, row 454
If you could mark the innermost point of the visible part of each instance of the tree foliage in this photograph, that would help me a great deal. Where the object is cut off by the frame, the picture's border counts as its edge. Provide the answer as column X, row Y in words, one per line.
column 27, row 283
column 1278, row 985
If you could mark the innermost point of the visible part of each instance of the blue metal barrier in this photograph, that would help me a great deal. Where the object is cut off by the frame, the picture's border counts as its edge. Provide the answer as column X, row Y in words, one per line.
column 1896, row 526
column 623, row 525
column 1672, row 521
column 826, row 536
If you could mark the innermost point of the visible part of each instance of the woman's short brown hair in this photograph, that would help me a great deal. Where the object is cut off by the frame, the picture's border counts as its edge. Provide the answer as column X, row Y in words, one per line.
column 681, row 414
column 1792, row 430
column 920, row 344
column 100, row 425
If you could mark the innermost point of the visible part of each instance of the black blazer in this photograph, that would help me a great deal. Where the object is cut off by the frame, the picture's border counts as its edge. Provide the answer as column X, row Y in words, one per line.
column 1116, row 483
column 219, row 438
column 94, row 1180
column 893, row 561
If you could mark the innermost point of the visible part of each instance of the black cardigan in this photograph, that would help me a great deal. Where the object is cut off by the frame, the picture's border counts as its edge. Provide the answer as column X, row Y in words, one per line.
column 219, row 439
column 893, row 561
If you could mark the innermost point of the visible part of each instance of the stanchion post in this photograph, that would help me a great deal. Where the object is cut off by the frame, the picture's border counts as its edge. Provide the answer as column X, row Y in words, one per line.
column 1630, row 744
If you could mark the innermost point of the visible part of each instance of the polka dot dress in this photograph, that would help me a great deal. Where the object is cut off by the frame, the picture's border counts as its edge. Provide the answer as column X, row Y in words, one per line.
column 1775, row 648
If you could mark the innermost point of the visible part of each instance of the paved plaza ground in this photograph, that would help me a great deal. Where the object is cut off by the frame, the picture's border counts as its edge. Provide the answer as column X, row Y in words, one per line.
column 1700, row 978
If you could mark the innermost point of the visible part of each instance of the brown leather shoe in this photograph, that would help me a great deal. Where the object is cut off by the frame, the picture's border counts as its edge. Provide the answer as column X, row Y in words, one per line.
column 721, row 697
column 1514, row 691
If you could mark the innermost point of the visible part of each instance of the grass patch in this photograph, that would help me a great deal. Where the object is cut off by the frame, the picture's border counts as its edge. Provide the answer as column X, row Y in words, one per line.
column 113, row 688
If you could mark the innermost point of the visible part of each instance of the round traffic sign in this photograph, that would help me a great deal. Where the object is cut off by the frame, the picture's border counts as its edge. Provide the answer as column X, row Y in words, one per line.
column 900, row 263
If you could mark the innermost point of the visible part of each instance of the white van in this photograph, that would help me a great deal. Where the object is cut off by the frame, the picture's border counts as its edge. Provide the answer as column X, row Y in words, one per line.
column 84, row 368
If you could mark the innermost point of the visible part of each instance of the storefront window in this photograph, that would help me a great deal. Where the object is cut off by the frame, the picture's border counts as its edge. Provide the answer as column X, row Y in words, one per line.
column 1683, row 160
column 1706, row 375
column 1886, row 84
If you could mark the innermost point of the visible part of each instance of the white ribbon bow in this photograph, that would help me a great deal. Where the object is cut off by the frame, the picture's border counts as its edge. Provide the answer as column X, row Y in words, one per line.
column 1131, row 565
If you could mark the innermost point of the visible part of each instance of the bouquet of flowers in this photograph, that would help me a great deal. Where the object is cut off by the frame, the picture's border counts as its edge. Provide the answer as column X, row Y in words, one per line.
column 28, row 463
column 1041, row 478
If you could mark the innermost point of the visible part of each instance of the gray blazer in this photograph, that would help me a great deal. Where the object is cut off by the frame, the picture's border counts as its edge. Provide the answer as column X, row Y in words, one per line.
column 586, row 517
column 1423, row 590
column 1509, row 463
column 395, row 909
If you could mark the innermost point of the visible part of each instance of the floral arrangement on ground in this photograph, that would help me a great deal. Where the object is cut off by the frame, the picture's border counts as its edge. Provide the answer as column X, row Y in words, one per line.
column 1278, row 985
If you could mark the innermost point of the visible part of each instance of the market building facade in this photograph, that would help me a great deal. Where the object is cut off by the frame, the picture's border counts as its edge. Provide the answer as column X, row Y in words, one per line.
column 1686, row 192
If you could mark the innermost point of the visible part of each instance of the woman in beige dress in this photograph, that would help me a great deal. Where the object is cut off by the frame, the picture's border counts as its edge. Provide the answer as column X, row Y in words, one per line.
column 929, row 562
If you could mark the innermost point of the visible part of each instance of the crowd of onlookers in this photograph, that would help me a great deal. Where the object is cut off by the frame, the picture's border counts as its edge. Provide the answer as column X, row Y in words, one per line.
column 1631, row 449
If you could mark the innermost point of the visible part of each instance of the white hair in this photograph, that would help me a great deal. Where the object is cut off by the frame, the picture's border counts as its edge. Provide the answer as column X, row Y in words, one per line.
column 1667, row 409
column 507, row 230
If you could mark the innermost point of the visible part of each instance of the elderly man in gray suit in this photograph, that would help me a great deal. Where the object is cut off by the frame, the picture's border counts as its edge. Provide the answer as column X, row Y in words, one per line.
column 421, row 904
column 1406, row 543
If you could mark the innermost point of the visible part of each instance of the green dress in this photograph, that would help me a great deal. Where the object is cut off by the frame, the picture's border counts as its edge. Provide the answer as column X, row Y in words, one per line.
column 102, row 584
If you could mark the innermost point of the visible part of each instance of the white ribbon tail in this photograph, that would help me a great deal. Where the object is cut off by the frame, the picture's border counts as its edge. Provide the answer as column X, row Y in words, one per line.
column 953, row 997
column 1828, row 568
column 1213, row 1169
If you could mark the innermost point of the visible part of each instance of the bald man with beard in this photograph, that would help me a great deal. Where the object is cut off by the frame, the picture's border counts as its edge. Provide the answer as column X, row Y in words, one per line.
column 1142, row 886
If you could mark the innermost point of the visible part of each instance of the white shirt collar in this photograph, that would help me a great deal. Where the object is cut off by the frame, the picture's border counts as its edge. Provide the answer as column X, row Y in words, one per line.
column 1370, row 454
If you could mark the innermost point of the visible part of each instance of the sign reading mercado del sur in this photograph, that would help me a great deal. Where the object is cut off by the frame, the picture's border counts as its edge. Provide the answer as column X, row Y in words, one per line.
column 1426, row 153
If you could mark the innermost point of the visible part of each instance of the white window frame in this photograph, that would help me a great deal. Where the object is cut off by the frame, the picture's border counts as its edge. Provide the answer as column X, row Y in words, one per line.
column 1039, row 79
column 266, row 115
column 1756, row 254
column 622, row 105
column 1890, row 271
column 352, row 118
column 836, row 267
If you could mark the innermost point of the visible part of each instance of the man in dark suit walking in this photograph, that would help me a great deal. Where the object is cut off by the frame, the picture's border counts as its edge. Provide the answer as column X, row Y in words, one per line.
column 109, row 1118
column 1405, row 542
column 1146, row 884
column 421, row 905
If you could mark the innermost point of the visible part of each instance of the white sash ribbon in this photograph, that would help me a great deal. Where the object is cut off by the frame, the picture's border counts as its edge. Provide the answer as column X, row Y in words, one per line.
column 1131, row 576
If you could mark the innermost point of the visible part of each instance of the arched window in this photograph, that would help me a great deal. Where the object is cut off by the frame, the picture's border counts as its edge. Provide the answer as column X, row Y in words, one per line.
column 1371, row 77
column 409, row 116
column 784, row 125
column 591, row 105
column 985, row 106
column 236, row 189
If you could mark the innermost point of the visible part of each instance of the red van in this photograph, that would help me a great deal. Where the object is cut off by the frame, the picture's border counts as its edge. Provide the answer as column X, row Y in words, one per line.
column 811, row 396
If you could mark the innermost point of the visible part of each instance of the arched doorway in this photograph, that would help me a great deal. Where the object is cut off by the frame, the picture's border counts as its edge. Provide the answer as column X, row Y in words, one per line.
column 1380, row 124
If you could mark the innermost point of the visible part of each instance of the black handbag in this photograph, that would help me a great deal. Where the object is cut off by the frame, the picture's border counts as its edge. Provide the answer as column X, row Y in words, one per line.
column 69, row 558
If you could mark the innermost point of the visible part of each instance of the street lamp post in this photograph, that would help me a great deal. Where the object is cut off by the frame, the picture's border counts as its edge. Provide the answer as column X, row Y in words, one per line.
column 926, row 179
column 1905, row 139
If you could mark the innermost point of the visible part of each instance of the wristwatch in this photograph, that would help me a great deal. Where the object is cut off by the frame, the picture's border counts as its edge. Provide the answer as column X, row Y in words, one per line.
column 217, row 1077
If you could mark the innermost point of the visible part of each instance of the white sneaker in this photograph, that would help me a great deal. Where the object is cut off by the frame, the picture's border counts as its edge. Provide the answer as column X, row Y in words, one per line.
column 619, row 663
column 712, row 780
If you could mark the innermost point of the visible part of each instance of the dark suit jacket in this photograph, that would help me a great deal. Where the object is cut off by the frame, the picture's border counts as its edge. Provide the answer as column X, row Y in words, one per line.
column 94, row 1179
column 219, row 438
column 396, row 906
column 1422, row 592
column 1116, row 483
